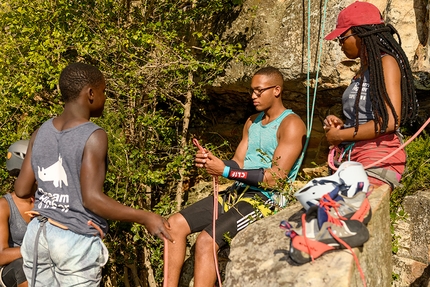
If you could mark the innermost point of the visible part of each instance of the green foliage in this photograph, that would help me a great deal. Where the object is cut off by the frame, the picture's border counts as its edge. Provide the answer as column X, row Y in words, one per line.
column 394, row 277
column 418, row 168
column 227, row 238
column 414, row 179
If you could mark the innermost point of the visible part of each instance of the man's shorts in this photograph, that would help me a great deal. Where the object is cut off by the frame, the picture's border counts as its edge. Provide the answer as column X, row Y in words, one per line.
column 237, row 208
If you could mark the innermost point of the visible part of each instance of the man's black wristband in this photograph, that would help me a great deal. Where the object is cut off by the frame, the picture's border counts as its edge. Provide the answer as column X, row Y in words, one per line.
column 252, row 177
column 231, row 163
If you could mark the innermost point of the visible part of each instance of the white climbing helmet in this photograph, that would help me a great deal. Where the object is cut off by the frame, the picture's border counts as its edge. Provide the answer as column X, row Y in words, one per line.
column 15, row 156
column 350, row 178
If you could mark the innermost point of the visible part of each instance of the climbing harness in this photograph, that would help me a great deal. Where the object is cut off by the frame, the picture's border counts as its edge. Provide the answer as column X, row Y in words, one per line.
column 330, row 159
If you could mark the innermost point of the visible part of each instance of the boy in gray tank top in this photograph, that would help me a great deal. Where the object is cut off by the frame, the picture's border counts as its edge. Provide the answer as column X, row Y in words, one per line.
column 60, row 151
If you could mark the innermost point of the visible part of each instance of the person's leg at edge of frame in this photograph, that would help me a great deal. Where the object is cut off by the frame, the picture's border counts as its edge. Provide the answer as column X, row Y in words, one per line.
column 204, row 264
column 176, row 255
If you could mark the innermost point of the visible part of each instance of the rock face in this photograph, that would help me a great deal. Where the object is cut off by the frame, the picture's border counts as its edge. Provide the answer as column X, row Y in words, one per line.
column 259, row 254
column 411, row 262
column 275, row 32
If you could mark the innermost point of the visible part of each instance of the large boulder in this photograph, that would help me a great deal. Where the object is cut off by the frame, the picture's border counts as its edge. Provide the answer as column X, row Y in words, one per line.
column 259, row 254
column 411, row 261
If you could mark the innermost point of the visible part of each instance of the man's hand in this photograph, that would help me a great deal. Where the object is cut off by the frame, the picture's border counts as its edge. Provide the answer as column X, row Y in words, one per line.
column 201, row 158
column 213, row 165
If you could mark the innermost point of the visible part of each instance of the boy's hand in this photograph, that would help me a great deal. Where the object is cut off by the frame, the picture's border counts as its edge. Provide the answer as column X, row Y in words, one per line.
column 157, row 225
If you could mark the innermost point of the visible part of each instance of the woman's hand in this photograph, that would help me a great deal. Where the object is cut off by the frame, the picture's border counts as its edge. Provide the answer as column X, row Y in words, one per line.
column 333, row 136
column 332, row 127
column 332, row 121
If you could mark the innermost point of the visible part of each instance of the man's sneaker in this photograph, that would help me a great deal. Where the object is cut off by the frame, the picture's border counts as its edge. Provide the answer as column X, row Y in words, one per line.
column 319, row 234
column 340, row 206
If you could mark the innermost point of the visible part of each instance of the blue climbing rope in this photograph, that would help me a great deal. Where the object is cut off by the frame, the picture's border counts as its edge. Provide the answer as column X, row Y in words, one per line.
column 310, row 110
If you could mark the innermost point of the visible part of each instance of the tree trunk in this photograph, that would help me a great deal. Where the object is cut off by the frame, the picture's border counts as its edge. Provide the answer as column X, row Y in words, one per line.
column 148, row 268
column 186, row 123
column 134, row 274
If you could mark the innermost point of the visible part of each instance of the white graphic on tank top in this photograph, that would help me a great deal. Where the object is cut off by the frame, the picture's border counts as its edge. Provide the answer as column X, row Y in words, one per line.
column 363, row 93
column 54, row 173
column 54, row 201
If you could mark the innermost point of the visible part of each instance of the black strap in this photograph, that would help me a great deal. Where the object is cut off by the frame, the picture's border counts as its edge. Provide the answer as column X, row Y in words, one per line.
column 42, row 221
column 231, row 163
column 252, row 177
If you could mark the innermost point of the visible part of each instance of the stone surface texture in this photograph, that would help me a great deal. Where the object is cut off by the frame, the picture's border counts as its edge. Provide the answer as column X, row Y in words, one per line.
column 259, row 254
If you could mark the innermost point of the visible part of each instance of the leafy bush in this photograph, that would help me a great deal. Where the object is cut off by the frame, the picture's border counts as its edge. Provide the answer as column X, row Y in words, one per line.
column 414, row 179
column 157, row 57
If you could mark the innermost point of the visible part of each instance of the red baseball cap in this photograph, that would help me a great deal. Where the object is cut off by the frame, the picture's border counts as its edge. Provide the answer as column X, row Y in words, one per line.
column 356, row 14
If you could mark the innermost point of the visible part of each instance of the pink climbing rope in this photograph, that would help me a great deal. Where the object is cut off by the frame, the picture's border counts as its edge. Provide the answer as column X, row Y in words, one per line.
column 215, row 214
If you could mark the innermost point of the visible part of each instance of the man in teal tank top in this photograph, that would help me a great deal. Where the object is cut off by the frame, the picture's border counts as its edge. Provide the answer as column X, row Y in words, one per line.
column 272, row 142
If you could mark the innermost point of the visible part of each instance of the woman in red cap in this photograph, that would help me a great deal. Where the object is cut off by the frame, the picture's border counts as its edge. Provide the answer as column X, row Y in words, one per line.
column 386, row 92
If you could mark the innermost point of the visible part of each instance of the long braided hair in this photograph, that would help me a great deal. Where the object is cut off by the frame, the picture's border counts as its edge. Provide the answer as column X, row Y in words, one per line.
column 375, row 41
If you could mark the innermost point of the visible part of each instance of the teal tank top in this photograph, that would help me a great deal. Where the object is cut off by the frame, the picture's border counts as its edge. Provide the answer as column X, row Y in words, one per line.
column 262, row 142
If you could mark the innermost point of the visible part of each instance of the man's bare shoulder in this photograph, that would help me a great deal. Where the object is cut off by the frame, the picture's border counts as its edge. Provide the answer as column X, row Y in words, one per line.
column 293, row 120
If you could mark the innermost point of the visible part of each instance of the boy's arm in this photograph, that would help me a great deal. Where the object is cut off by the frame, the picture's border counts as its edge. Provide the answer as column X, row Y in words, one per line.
column 93, row 173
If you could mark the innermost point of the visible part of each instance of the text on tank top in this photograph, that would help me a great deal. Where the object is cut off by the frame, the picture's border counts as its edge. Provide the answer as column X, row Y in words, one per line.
column 365, row 112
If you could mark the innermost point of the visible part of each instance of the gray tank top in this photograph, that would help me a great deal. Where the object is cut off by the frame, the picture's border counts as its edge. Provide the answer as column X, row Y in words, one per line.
column 56, row 162
column 365, row 112
column 17, row 224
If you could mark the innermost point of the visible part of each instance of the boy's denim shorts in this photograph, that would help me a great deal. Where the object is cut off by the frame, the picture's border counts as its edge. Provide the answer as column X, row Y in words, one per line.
column 64, row 258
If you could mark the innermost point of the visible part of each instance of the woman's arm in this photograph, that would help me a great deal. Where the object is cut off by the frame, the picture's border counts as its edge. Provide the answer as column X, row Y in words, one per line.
column 7, row 254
